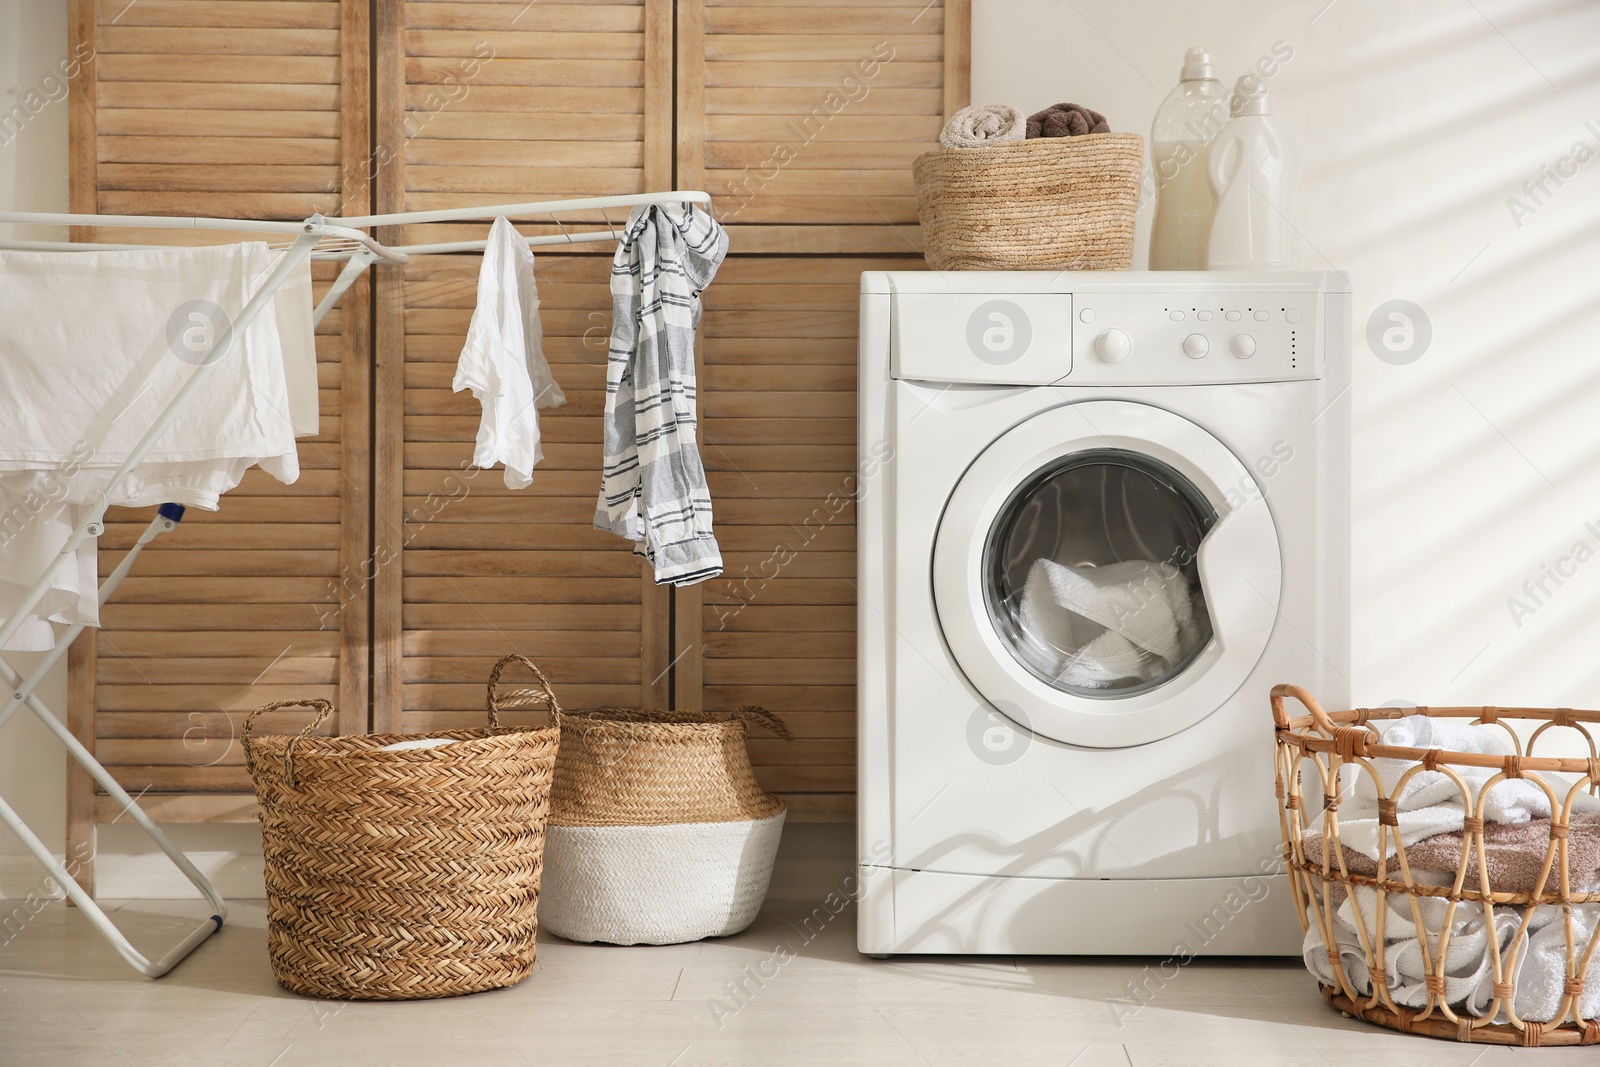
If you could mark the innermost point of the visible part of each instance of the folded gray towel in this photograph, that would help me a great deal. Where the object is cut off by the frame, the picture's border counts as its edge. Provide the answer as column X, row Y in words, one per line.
column 982, row 125
column 1066, row 120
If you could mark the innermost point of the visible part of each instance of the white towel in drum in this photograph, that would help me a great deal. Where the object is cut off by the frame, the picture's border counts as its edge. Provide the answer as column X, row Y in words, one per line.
column 1093, row 626
column 93, row 346
column 503, row 360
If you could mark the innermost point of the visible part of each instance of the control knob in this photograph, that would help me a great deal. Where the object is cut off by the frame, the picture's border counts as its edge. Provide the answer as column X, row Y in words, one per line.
column 1112, row 346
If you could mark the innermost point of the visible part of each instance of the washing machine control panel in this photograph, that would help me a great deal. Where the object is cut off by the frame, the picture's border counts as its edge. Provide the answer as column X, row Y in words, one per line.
column 1194, row 338
column 1108, row 336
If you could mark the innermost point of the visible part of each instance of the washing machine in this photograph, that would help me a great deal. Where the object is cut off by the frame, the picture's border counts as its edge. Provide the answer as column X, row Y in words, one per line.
column 1100, row 515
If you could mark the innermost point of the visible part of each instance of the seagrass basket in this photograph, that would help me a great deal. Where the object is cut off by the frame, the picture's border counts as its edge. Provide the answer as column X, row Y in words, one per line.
column 659, row 832
column 1049, row 203
column 1454, row 894
column 401, row 875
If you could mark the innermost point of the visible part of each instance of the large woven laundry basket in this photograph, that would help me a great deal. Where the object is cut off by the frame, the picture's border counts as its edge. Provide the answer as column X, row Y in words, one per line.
column 1454, row 894
column 658, row 831
column 400, row 875
column 1050, row 203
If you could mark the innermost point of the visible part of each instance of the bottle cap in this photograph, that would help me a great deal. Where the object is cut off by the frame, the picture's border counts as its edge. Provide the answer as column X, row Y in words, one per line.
column 1196, row 65
column 1250, row 96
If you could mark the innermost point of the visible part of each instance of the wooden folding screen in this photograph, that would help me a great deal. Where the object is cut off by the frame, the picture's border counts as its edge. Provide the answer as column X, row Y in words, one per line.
column 235, row 109
column 392, row 575
column 506, row 102
column 802, row 120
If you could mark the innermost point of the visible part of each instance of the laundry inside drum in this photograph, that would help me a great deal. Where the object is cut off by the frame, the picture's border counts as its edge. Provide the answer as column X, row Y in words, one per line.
column 1091, row 575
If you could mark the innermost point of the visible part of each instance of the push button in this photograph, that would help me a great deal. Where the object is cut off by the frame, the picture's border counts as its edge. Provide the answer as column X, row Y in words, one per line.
column 1086, row 315
column 1261, row 316
column 1293, row 314
column 1204, row 316
column 1177, row 316
column 1233, row 316
column 1243, row 345
column 1195, row 346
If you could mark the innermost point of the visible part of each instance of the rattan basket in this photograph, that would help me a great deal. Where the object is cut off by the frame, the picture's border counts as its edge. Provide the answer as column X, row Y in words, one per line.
column 1412, row 962
column 1050, row 203
column 659, row 832
column 405, row 874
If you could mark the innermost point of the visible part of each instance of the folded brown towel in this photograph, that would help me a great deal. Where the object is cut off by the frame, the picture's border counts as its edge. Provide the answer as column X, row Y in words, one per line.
column 1515, row 853
column 1066, row 120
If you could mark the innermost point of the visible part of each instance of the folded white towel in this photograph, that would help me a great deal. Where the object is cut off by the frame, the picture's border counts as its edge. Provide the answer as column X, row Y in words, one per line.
column 1514, row 800
column 93, row 346
column 1431, row 802
column 1542, row 976
column 503, row 360
column 1468, row 974
column 984, row 124
column 1541, row 972
column 1093, row 626
column 1359, row 828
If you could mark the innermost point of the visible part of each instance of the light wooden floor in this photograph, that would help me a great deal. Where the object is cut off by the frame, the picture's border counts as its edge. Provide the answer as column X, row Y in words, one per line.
column 66, row 998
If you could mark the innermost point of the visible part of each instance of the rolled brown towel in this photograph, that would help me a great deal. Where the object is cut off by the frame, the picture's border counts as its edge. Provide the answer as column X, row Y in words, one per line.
column 1066, row 120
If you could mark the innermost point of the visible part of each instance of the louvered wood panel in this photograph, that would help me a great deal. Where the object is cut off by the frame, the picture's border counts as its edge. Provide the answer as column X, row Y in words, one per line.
column 502, row 102
column 480, row 570
column 812, row 113
column 546, row 100
column 243, row 108
column 261, row 600
column 803, row 120
column 778, row 403
column 227, row 107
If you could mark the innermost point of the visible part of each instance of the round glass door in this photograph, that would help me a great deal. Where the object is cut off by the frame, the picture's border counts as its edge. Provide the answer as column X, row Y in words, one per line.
column 1091, row 573
column 1091, row 570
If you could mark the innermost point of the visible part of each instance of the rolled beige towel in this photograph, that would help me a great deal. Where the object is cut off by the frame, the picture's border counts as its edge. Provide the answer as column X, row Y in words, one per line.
column 982, row 125
column 1066, row 120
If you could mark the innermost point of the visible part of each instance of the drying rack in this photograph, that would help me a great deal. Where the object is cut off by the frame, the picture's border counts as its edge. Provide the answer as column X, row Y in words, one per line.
column 318, row 238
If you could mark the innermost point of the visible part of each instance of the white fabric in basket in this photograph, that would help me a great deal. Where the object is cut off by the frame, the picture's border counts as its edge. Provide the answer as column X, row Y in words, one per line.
column 656, row 885
column 418, row 742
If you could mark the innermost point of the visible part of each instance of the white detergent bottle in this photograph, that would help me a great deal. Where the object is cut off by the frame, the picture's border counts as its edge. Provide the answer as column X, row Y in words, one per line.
column 1253, row 167
column 1191, row 115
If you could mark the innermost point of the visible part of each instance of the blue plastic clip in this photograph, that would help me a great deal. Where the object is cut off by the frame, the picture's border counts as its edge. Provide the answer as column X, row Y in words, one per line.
column 172, row 512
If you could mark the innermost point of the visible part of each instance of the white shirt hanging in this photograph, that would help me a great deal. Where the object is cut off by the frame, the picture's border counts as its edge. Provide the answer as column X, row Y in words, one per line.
column 503, row 360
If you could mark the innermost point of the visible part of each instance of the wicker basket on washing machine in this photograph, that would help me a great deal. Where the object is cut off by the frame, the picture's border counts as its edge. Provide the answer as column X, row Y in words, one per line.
column 659, row 832
column 1049, row 203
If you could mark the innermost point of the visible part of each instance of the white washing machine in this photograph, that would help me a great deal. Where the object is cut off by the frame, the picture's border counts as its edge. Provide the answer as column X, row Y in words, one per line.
column 1100, row 516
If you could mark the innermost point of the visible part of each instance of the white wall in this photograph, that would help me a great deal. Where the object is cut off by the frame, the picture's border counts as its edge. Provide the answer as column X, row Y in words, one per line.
column 1476, row 464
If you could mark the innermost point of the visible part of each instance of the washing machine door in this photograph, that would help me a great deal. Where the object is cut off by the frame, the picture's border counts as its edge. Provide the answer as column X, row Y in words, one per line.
column 1107, row 573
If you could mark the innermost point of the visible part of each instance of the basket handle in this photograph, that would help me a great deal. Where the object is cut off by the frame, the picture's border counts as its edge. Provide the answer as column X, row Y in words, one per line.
column 323, row 709
column 753, row 713
column 1280, row 717
column 495, row 702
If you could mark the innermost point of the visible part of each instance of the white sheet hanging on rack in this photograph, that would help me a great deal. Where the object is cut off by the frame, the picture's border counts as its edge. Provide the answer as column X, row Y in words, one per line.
column 94, row 347
column 503, row 360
